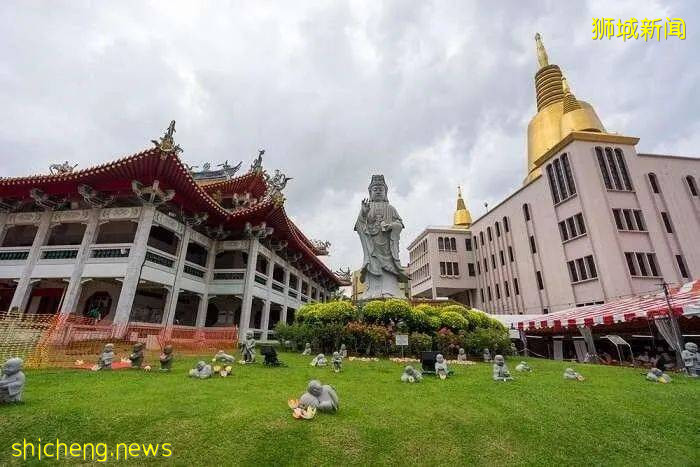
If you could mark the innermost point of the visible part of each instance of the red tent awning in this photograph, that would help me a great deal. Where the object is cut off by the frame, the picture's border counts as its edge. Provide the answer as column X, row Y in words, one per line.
column 621, row 310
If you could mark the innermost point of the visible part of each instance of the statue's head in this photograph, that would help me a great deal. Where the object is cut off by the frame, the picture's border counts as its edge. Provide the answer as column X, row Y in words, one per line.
column 691, row 346
column 569, row 371
column 138, row 346
column 439, row 358
column 336, row 354
column 320, row 356
column 314, row 388
column 656, row 372
column 168, row 349
column 201, row 365
column 308, row 346
column 500, row 361
column 342, row 347
column 108, row 348
column 12, row 366
column 377, row 188
column 461, row 351
column 523, row 363
column 408, row 370
column 486, row 351
column 249, row 334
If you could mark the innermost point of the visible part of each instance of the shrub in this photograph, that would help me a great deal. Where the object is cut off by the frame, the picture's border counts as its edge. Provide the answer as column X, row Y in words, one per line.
column 454, row 321
column 367, row 339
column 373, row 311
column 396, row 309
column 496, row 340
column 339, row 311
column 417, row 320
column 460, row 309
column 419, row 342
column 447, row 342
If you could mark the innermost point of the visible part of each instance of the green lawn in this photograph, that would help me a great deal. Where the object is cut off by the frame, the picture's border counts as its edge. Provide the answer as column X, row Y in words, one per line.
column 615, row 417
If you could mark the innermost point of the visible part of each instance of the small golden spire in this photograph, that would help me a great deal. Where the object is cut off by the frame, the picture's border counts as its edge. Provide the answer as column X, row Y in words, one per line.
column 541, row 52
column 462, row 217
column 570, row 102
column 565, row 85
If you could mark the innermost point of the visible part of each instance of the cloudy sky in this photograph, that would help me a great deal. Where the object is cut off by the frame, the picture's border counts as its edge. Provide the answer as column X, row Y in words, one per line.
column 431, row 94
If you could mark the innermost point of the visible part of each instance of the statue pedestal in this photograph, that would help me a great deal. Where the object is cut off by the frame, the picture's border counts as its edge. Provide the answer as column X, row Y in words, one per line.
column 384, row 286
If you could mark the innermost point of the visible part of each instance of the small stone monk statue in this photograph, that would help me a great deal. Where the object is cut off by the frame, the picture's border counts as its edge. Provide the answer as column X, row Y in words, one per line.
column 569, row 373
column 658, row 376
column 523, row 367
column 201, row 370
column 461, row 355
column 319, row 360
column 166, row 358
column 691, row 359
column 343, row 351
column 487, row 356
column 411, row 375
column 441, row 369
column 223, row 357
column 322, row 397
column 249, row 348
column 337, row 362
column 104, row 361
column 136, row 356
column 307, row 349
column 12, row 381
column 500, row 370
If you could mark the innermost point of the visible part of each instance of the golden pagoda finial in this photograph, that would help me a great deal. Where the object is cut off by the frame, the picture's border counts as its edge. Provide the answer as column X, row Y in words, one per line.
column 462, row 217
column 565, row 85
column 541, row 52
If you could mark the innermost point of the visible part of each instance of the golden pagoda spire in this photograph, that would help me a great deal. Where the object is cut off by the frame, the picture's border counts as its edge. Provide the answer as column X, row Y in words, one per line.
column 541, row 52
column 462, row 217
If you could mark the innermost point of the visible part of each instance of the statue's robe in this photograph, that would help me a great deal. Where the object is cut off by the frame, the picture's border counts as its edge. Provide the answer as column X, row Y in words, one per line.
column 11, row 387
column 380, row 249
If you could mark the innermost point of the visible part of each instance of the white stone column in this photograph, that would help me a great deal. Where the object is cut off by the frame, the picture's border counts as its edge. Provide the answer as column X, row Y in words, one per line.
column 208, row 278
column 248, row 282
column 169, row 314
column 72, row 293
column 265, row 321
column 21, row 296
column 137, row 256
column 283, row 314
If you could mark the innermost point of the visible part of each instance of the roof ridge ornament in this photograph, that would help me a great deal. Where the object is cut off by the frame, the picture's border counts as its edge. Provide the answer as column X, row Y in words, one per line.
column 94, row 198
column 321, row 246
column 344, row 274
column 61, row 169
column 257, row 166
column 167, row 142
column 45, row 201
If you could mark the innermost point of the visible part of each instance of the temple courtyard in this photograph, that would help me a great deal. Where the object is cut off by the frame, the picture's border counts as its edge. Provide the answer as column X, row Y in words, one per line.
column 614, row 417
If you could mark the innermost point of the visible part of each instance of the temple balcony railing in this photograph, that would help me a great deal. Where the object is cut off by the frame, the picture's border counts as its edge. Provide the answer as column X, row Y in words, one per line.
column 261, row 278
column 293, row 293
column 62, row 253
column 110, row 253
column 160, row 258
column 228, row 275
column 278, row 286
column 196, row 271
column 14, row 255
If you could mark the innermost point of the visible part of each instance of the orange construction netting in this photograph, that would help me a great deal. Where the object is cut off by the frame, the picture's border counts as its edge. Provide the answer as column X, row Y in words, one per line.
column 73, row 341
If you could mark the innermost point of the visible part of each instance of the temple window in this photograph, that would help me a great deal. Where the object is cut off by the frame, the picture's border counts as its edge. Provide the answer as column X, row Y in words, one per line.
column 163, row 239
column 66, row 234
column 116, row 232
column 196, row 254
column 231, row 259
column 278, row 273
column 262, row 264
column 19, row 235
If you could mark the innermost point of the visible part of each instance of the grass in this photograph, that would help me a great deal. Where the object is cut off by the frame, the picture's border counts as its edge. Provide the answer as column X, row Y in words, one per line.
column 615, row 417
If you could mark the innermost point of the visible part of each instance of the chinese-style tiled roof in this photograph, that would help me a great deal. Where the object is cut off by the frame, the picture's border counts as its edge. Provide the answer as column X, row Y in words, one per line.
column 147, row 166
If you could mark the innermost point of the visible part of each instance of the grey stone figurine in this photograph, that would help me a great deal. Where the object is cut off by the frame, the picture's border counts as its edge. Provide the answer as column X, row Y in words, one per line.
column 658, row 376
column 487, row 355
column 104, row 361
column 411, row 375
column 223, row 357
column 500, row 370
column 307, row 349
column 319, row 360
column 249, row 348
column 523, row 367
column 202, row 370
column 337, row 362
column 441, row 370
column 12, row 381
column 343, row 351
column 569, row 373
column 322, row 397
column 136, row 356
column 691, row 359
column 166, row 358
column 461, row 355
column 379, row 227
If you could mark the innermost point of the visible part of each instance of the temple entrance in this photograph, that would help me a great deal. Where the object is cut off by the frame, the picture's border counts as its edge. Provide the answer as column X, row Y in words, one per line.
column 257, row 308
column 224, row 310
column 98, row 299
column 149, row 303
column 186, row 309
column 275, row 316
column 46, row 296
column 7, row 291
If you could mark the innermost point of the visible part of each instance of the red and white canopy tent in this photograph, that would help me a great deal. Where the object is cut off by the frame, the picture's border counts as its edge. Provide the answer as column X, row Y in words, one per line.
column 683, row 300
